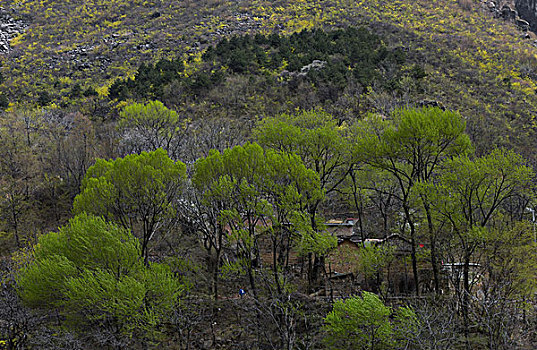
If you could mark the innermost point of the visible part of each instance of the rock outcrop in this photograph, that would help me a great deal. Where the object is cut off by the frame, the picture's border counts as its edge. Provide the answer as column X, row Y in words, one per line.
column 9, row 28
column 508, row 14
column 515, row 12
column 527, row 10
column 313, row 66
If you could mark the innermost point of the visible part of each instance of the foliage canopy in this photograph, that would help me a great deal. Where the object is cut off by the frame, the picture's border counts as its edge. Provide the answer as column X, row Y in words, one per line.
column 138, row 192
column 91, row 270
column 366, row 323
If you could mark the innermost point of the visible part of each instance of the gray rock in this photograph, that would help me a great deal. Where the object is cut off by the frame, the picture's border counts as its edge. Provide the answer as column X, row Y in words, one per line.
column 527, row 9
column 9, row 28
column 508, row 13
column 522, row 24
column 315, row 65
column 431, row 103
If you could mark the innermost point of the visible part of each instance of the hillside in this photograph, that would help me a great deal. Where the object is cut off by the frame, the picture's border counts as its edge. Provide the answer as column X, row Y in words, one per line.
column 475, row 63
column 290, row 174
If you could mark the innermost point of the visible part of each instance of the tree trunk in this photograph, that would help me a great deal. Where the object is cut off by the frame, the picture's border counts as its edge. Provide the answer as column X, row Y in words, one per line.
column 413, row 249
column 252, row 280
column 466, row 300
column 15, row 222
column 275, row 265
column 317, row 270
column 216, row 269
column 432, row 238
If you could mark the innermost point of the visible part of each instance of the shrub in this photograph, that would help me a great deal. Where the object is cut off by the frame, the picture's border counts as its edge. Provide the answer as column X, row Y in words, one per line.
column 366, row 323
column 91, row 271
column 352, row 54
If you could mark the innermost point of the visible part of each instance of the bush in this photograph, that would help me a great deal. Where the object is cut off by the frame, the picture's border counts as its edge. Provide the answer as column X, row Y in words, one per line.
column 349, row 55
column 366, row 323
column 91, row 271
column 4, row 102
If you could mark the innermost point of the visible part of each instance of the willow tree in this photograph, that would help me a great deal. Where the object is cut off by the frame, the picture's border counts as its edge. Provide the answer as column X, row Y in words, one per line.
column 245, row 189
column 91, row 273
column 469, row 195
column 147, row 127
column 366, row 323
column 317, row 138
column 139, row 191
column 411, row 146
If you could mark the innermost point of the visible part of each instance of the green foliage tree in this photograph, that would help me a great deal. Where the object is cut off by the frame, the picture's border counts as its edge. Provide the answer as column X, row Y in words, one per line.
column 139, row 192
column 351, row 50
column 4, row 102
column 250, row 187
column 366, row 323
column 509, row 261
column 149, row 81
column 44, row 98
column 410, row 148
column 321, row 144
column 76, row 91
column 298, row 70
column 147, row 127
column 469, row 195
column 90, row 92
column 315, row 136
column 372, row 260
column 91, row 272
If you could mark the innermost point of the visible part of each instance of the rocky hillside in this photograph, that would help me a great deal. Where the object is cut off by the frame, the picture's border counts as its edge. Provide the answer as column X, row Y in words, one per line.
column 527, row 9
column 9, row 29
column 477, row 57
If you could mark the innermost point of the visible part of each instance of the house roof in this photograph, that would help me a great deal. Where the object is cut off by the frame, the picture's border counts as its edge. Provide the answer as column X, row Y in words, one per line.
column 356, row 239
column 339, row 222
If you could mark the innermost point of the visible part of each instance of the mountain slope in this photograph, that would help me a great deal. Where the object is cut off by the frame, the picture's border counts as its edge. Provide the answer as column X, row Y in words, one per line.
column 475, row 63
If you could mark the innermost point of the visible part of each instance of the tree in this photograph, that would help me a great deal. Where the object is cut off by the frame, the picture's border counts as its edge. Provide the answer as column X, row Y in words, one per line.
column 509, row 261
column 437, row 323
column 151, row 126
column 366, row 323
column 213, row 133
column 17, row 320
column 227, row 181
column 469, row 195
column 19, row 174
column 315, row 136
column 4, row 102
column 371, row 193
column 73, row 147
column 321, row 144
column 245, row 188
column 372, row 261
column 90, row 271
column 411, row 147
column 139, row 191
